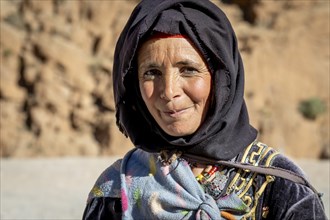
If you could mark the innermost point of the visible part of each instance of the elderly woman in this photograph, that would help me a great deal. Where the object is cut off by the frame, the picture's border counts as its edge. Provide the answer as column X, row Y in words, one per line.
column 178, row 85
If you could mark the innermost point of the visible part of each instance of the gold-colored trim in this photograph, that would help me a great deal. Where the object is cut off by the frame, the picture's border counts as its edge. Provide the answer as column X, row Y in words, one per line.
column 247, row 150
column 245, row 178
column 269, row 179
column 270, row 158
column 247, row 186
column 230, row 186
column 254, row 154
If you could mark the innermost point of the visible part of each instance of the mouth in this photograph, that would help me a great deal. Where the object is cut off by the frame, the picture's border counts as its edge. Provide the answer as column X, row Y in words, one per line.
column 175, row 113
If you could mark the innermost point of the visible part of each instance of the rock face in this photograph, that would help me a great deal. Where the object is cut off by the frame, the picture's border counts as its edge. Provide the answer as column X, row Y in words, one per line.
column 56, row 69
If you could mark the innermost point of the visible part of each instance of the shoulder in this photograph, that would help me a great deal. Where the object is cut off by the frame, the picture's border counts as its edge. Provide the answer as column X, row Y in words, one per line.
column 285, row 190
column 260, row 154
column 257, row 154
column 282, row 161
column 291, row 200
column 286, row 199
column 104, row 198
column 108, row 183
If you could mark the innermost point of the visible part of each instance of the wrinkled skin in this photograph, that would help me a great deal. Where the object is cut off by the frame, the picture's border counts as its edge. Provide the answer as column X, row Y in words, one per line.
column 175, row 84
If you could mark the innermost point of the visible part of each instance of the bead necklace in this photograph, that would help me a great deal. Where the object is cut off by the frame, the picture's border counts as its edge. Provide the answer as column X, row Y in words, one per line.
column 203, row 177
column 213, row 179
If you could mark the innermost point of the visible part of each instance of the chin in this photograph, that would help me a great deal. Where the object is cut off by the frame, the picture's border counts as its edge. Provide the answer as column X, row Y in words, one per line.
column 178, row 132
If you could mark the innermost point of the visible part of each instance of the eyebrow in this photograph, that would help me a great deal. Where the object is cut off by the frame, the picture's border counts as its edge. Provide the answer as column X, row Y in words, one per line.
column 180, row 63
column 186, row 62
column 152, row 64
column 148, row 65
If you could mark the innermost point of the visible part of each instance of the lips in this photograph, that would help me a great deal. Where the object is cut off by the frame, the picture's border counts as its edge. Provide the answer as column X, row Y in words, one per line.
column 175, row 112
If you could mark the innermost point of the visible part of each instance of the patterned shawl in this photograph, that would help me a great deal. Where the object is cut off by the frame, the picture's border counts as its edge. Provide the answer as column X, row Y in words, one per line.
column 151, row 190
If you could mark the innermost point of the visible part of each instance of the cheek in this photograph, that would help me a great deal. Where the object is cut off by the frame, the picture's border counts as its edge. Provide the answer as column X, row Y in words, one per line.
column 147, row 90
column 200, row 90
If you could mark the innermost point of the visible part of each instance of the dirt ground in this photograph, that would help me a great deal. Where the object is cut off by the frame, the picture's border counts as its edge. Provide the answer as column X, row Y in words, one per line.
column 57, row 188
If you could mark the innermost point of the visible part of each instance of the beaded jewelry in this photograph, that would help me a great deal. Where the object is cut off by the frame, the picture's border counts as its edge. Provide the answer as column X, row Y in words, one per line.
column 204, row 176
column 215, row 187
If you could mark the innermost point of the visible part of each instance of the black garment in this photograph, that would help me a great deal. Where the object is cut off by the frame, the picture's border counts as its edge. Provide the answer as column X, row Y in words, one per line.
column 103, row 208
column 226, row 130
column 292, row 201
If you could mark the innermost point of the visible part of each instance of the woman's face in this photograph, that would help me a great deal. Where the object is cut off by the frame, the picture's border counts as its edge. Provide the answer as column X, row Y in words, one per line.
column 175, row 84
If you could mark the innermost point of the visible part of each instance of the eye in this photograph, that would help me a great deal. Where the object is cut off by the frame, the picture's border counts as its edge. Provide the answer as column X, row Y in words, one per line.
column 188, row 70
column 151, row 74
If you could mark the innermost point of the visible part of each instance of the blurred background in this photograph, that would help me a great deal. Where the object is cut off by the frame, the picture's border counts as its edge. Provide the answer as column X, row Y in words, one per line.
column 57, row 114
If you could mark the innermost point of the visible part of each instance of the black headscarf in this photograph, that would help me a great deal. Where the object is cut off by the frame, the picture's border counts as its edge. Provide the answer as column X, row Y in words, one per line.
column 226, row 130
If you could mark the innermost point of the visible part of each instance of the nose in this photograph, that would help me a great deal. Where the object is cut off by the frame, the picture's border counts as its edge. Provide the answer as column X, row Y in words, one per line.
column 170, row 88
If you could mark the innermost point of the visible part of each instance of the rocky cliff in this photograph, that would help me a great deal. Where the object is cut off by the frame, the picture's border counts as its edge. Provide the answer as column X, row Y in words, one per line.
column 56, row 67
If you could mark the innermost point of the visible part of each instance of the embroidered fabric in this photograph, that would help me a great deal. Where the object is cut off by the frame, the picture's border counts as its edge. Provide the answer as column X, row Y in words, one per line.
column 242, row 181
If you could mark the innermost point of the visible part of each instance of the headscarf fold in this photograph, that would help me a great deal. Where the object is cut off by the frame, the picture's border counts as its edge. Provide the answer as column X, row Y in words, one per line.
column 226, row 130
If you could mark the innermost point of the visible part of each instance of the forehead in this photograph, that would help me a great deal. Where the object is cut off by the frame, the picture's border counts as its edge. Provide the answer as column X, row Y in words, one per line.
column 174, row 47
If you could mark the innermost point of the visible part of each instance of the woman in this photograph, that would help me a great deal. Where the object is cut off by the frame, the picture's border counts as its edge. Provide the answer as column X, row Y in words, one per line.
column 178, row 85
